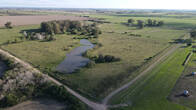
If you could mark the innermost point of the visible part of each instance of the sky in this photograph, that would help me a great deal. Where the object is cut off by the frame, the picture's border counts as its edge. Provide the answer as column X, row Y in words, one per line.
column 126, row 4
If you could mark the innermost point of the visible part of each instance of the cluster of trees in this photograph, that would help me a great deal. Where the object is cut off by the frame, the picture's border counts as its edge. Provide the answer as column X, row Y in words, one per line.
column 105, row 59
column 148, row 23
column 72, row 27
column 38, row 36
column 61, row 94
column 44, row 90
column 188, row 42
column 8, row 25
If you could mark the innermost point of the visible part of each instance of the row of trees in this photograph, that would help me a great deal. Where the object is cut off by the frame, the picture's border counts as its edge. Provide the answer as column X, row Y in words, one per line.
column 149, row 23
column 72, row 27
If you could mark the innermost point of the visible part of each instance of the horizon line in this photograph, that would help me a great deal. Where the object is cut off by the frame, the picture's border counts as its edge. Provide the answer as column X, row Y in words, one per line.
column 91, row 8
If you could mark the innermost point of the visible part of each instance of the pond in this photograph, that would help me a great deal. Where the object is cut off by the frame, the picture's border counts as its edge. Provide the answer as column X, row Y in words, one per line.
column 3, row 68
column 74, row 60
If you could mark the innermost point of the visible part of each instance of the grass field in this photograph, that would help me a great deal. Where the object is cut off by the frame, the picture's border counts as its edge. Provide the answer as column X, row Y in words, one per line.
column 116, row 40
column 151, row 91
column 99, row 80
column 44, row 55
column 186, row 82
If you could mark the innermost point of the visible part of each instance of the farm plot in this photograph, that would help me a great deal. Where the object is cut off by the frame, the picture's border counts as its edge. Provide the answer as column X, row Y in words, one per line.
column 28, row 20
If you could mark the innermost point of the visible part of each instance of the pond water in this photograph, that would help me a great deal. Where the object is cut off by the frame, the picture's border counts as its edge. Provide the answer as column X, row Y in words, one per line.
column 74, row 60
column 3, row 68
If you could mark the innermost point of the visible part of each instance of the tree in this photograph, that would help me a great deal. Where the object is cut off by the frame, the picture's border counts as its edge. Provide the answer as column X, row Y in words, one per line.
column 188, row 42
column 140, row 24
column 193, row 34
column 160, row 23
column 154, row 23
column 131, row 21
column 8, row 25
column 56, row 28
column 149, row 22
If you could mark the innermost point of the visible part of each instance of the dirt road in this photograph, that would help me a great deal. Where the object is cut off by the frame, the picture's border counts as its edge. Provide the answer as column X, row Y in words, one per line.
column 107, row 98
column 94, row 105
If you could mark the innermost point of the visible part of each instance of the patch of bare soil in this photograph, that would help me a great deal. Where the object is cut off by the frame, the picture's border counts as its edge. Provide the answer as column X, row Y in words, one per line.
column 39, row 104
column 27, row 20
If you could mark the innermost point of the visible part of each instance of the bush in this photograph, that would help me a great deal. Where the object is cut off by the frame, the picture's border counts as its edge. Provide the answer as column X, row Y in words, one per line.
column 9, row 100
column 90, row 64
column 106, row 59
column 8, row 25
column 193, row 34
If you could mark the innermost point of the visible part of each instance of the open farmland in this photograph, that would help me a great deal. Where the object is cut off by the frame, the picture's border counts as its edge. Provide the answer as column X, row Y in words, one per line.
column 116, row 39
column 134, row 52
column 137, row 49
column 28, row 20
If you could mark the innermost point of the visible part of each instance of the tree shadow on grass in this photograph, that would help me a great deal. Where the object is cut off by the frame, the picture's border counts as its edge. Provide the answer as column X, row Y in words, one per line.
column 181, row 95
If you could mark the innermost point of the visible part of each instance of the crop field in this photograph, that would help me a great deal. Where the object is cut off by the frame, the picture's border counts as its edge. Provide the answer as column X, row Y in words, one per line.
column 186, row 82
column 29, row 20
column 151, row 91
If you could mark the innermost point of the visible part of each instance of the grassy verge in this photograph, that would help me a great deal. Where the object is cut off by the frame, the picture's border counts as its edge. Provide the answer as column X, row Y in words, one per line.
column 151, row 91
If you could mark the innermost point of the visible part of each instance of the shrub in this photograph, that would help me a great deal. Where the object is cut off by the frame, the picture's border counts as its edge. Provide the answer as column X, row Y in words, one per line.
column 9, row 100
column 106, row 59
column 90, row 64
column 8, row 25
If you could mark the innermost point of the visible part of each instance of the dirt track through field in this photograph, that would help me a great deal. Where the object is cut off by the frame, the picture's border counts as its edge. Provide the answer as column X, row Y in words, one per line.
column 94, row 105
column 27, row 20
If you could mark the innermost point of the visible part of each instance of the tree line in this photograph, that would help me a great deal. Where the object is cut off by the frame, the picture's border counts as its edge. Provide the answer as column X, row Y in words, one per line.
column 71, row 27
column 148, row 23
